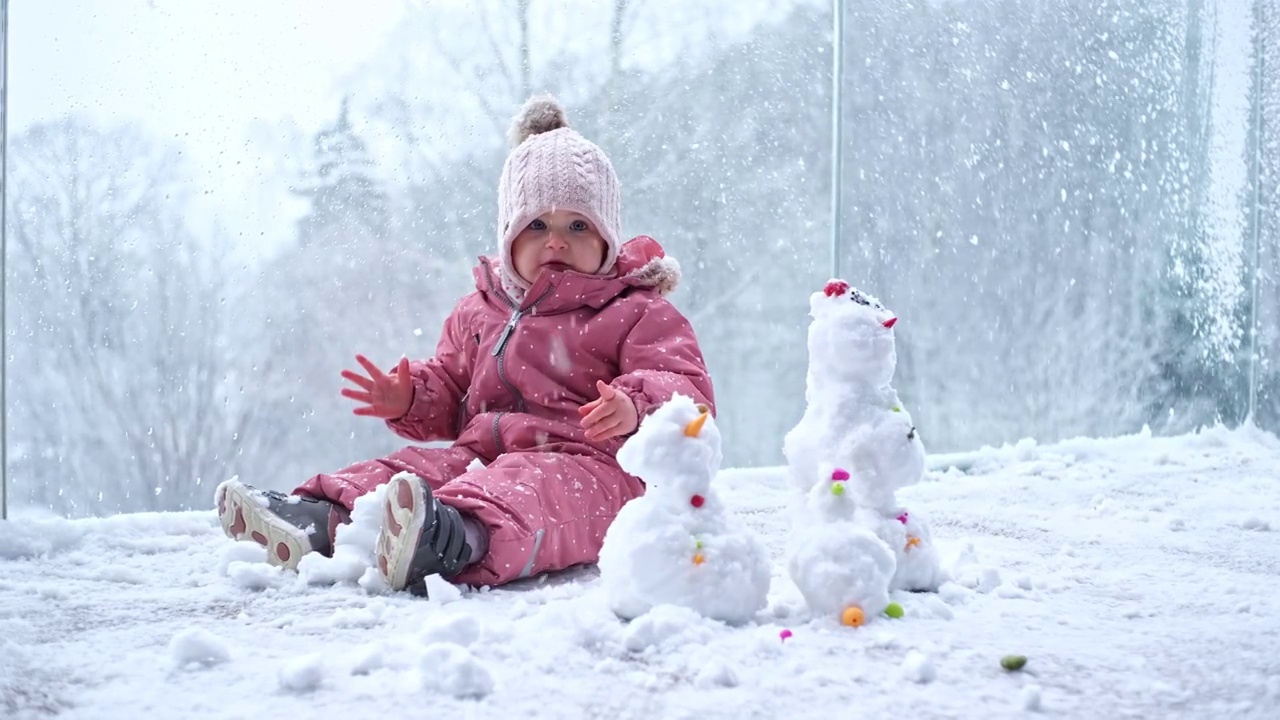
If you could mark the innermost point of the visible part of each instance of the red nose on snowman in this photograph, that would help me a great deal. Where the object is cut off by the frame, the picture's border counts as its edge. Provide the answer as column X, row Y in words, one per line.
column 890, row 322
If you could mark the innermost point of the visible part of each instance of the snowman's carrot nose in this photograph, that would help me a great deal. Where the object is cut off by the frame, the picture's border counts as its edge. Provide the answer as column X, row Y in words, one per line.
column 695, row 426
column 889, row 323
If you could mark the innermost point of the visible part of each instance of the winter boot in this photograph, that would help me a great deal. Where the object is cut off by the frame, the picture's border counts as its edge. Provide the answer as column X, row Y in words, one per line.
column 419, row 537
column 288, row 526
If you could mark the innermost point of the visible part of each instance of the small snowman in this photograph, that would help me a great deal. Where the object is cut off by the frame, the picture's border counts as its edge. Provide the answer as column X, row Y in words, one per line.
column 854, row 420
column 841, row 567
column 918, row 566
column 678, row 544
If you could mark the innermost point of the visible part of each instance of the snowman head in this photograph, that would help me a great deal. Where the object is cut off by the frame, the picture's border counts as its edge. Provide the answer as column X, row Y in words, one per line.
column 851, row 337
column 676, row 450
column 833, row 498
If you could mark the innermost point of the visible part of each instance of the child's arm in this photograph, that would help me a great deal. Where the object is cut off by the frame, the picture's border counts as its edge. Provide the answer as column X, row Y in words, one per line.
column 439, row 384
column 660, row 357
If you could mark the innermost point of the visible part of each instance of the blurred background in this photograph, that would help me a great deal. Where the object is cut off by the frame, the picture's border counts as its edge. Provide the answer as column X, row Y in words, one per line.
column 1072, row 205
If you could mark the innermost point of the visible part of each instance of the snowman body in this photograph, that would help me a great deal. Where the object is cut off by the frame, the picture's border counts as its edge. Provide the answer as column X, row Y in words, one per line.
column 884, row 454
column 678, row 544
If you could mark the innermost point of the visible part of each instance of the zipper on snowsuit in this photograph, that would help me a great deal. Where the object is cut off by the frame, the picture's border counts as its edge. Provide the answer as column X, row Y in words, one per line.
column 499, row 351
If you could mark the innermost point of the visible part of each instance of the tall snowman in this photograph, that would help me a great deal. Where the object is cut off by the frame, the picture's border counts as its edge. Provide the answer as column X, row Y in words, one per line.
column 855, row 421
column 678, row 544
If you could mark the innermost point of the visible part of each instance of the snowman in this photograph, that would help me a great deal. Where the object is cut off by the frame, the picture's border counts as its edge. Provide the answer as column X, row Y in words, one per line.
column 678, row 544
column 843, row 569
column 854, row 420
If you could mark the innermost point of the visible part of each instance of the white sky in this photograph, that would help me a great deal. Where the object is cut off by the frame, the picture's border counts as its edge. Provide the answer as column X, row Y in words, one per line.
column 193, row 67
column 199, row 74
column 187, row 67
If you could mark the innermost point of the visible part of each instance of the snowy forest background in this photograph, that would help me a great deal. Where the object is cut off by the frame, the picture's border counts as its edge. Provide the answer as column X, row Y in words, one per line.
column 1059, row 198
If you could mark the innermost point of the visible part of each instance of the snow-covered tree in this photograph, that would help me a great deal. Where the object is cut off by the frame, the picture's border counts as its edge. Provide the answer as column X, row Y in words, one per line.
column 1266, row 182
column 347, row 200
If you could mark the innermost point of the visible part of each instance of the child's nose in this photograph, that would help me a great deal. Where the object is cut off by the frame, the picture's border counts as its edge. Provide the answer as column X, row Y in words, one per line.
column 555, row 240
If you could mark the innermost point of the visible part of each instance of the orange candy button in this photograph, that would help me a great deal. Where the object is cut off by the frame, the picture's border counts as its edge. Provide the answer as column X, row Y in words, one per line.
column 852, row 616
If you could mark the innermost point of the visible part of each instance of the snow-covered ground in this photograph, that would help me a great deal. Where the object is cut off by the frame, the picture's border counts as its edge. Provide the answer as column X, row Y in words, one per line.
column 1140, row 577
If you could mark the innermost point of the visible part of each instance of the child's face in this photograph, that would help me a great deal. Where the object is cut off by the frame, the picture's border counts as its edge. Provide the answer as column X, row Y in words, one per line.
column 557, row 239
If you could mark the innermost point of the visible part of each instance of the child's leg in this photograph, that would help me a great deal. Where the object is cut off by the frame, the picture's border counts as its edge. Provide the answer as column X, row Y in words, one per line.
column 436, row 466
column 543, row 511
column 290, row 526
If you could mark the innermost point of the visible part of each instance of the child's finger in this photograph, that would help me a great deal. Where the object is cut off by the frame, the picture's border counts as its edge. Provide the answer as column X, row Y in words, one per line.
column 584, row 409
column 402, row 370
column 363, row 397
column 366, row 410
column 602, row 435
column 360, row 380
column 600, row 413
column 373, row 370
column 605, row 430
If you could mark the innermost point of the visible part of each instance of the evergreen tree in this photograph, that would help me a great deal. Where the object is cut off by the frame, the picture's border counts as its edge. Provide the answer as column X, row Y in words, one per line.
column 347, row 201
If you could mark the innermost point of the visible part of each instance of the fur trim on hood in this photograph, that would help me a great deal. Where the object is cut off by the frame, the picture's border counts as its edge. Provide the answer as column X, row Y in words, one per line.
column 643, row 259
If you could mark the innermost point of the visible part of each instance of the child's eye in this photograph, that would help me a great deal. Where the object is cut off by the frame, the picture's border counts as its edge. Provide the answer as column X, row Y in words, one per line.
column 578, row 226
column 537, row 225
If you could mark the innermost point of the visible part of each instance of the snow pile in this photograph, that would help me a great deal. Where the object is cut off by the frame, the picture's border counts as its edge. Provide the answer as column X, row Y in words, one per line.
column 918, row 667
column 452, row 669
column 302, row 674
column 353, row 550
column 666, row 626
column 197, row 647
column 258, row 576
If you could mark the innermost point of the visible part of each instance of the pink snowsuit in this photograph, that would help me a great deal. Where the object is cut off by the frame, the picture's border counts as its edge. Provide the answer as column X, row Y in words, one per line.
column 505, row 385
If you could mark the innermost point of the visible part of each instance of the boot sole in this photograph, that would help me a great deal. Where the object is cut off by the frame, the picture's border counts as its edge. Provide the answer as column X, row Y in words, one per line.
column 244, row 517
column 404, row 512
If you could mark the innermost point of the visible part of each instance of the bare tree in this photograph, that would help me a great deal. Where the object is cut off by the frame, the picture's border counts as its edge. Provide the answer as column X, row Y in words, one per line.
column 129, row 397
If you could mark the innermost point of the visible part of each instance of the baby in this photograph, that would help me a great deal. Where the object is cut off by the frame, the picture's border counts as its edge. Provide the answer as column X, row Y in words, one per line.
column 539, row 376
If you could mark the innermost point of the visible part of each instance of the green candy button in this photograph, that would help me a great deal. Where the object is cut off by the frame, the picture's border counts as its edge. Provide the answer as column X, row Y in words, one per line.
column 1013, row 662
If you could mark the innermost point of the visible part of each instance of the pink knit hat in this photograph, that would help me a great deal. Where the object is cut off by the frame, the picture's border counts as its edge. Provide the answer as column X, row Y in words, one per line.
column 552, row 167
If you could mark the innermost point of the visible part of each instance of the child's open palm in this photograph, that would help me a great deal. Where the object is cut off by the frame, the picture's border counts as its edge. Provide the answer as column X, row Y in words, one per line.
column 610, row 415
column 383, row 395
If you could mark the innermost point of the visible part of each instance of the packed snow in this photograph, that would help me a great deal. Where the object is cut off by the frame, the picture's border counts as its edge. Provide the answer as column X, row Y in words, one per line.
column 1139, row 576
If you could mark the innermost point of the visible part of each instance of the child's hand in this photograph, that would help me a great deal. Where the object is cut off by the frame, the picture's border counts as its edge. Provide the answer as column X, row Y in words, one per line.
column 384, row 396
column 611, row 415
